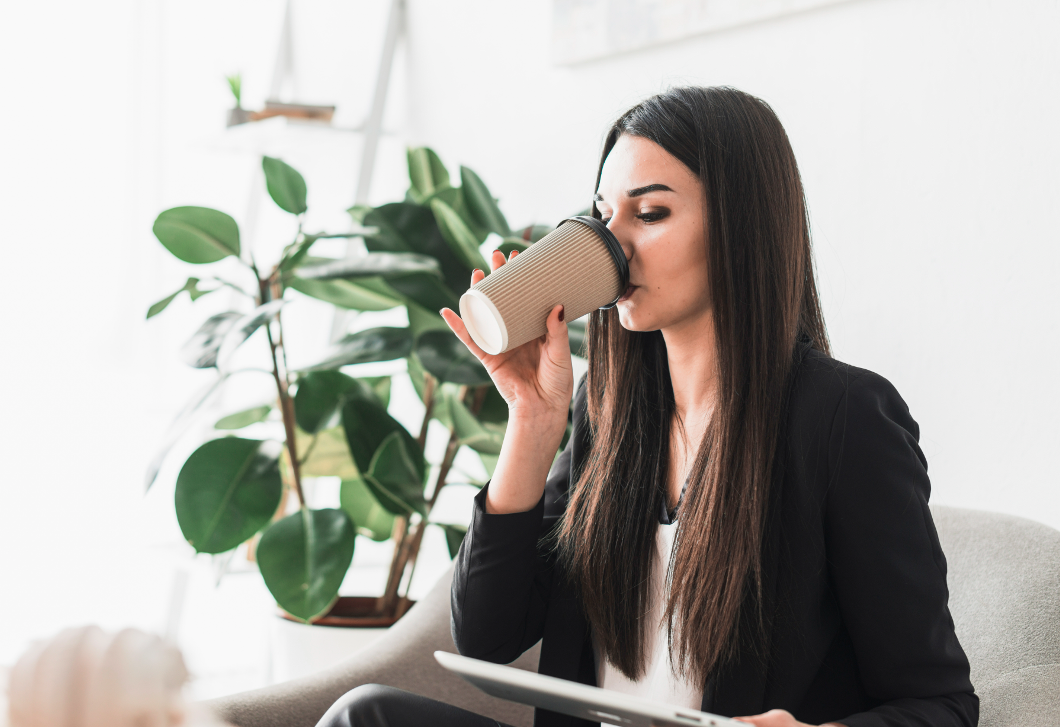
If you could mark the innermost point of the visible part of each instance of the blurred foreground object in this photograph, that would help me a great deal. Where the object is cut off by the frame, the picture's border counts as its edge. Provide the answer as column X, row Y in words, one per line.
column 89, row 678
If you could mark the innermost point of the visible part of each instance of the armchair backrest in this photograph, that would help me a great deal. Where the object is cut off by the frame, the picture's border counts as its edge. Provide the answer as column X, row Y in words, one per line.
column 1004, row 581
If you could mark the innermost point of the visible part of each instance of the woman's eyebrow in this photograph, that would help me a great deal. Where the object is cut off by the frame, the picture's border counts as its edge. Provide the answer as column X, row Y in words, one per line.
column 638, row 191
column 649, row 188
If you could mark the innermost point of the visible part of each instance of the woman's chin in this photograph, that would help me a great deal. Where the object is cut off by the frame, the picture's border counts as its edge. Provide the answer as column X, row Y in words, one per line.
column 632, row 319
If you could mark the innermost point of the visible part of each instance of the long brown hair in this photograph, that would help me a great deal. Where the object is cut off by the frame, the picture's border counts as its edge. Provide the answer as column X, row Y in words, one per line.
column 764, row 298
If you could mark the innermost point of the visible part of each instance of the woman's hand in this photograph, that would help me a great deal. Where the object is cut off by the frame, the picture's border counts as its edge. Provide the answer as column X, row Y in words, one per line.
column 778, row 718
column 535, row 379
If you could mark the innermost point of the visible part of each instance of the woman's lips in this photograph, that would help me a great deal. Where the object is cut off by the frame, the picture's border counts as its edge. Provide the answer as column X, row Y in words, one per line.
column 629, row 292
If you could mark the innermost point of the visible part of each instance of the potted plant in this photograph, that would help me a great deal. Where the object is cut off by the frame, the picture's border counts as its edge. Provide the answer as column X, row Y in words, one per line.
column 237, row 115
column 232, row 490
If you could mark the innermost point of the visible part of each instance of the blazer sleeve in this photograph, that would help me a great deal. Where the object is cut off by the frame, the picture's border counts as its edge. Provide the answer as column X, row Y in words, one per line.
column 887, row 567
column 503, row 575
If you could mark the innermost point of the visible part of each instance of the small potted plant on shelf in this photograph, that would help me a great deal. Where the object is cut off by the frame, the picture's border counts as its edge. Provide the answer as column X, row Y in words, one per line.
column 237, row 114
column 233, row 489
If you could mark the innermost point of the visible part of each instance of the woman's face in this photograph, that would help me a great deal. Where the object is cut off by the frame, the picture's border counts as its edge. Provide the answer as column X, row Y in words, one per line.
column 656, row 208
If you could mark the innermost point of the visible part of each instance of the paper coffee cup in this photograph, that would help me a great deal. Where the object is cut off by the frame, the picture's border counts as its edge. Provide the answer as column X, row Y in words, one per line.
column 579, row 265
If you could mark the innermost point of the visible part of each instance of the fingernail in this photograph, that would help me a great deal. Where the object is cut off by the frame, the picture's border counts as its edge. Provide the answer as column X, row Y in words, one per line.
column 561, row 314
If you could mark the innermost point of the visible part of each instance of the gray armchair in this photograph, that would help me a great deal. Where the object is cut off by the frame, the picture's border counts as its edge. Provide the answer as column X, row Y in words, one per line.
column 1004, row 578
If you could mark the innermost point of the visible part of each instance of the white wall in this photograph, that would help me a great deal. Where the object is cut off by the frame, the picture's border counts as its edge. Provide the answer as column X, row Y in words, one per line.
column 926, row 135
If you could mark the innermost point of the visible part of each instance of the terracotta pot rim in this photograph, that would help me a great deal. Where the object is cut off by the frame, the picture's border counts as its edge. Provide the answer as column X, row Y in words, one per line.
column 354, row 612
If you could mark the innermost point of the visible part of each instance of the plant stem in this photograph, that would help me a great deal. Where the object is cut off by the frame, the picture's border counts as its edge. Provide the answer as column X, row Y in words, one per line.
column 407, row 548
column 286, row 404
column 428, row 401
column 399, row 534
column 413, row 550
column 277, row 293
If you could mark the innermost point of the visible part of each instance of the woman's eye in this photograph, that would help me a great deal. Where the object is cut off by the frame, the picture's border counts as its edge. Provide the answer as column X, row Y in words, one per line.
column 653, row 216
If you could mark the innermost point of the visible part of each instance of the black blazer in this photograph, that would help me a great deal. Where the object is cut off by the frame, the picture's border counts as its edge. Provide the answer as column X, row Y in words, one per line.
column 858, row 626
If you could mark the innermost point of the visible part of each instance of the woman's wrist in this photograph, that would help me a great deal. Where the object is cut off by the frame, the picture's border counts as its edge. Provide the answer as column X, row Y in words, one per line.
column 530, row 445
column 544, row 416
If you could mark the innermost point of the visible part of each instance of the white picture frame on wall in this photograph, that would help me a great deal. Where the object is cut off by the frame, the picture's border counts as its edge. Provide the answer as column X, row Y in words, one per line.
column 586, row 29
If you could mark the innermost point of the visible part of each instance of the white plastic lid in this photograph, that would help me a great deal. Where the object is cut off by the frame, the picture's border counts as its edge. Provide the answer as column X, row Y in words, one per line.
column 484, row 322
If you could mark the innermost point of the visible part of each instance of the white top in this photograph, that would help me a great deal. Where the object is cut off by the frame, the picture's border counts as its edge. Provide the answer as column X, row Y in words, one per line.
column 660, row 683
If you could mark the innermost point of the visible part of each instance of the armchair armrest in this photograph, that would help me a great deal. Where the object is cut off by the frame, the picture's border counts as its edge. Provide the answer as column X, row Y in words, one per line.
column 403, row 658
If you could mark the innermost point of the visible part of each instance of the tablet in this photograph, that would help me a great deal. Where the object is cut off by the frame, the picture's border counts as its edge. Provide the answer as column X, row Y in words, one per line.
column 577, row 700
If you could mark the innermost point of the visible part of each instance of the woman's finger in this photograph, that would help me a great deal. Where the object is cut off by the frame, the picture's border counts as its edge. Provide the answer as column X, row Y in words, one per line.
column 512, row 256
column 772, row 718
column 458, row 327
column 557, row 341
column 476, row 276
column 496, row 259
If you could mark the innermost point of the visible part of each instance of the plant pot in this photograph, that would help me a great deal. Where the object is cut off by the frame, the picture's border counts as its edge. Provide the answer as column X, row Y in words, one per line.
column 237, row 116
column 351, row 625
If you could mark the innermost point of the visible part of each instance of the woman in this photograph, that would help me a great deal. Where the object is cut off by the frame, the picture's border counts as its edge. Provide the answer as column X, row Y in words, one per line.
column 739, row 522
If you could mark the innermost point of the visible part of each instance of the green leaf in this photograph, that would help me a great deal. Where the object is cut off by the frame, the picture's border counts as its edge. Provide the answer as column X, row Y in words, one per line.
column 286, row 186
column 202, row 348
column 471, row 432
column 320, row 396
column 427, row 291
column 192, row 286
column 406, row 227
column 314, row 260
column 197, row 234
column 373, row 344
column 358, row 212
column 244, row 418
column 371, row 519
column 481, row 205
column 417, row 374
column 532, row 233
column 160, row 306
column 454, row 536
column 395, row 477
column 454, row 197
column 303, row 559
column 424, row 319
column 576, row 336
column 245, row 327
column 296, row 253
column 461, row 239
column 494, row 408
column 447, row 359
column 180, row 426
column 235, row 85
column 373, row 265
column 365, row 294
column 510, row 244
column 489, row 462
column 367, row 424
column 443, row 395
column 427, row 174
column 325, row 454
column 380, row 386
column 227, row 490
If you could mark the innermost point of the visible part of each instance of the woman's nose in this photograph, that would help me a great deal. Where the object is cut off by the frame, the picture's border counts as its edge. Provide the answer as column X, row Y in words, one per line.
column 622, row 235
